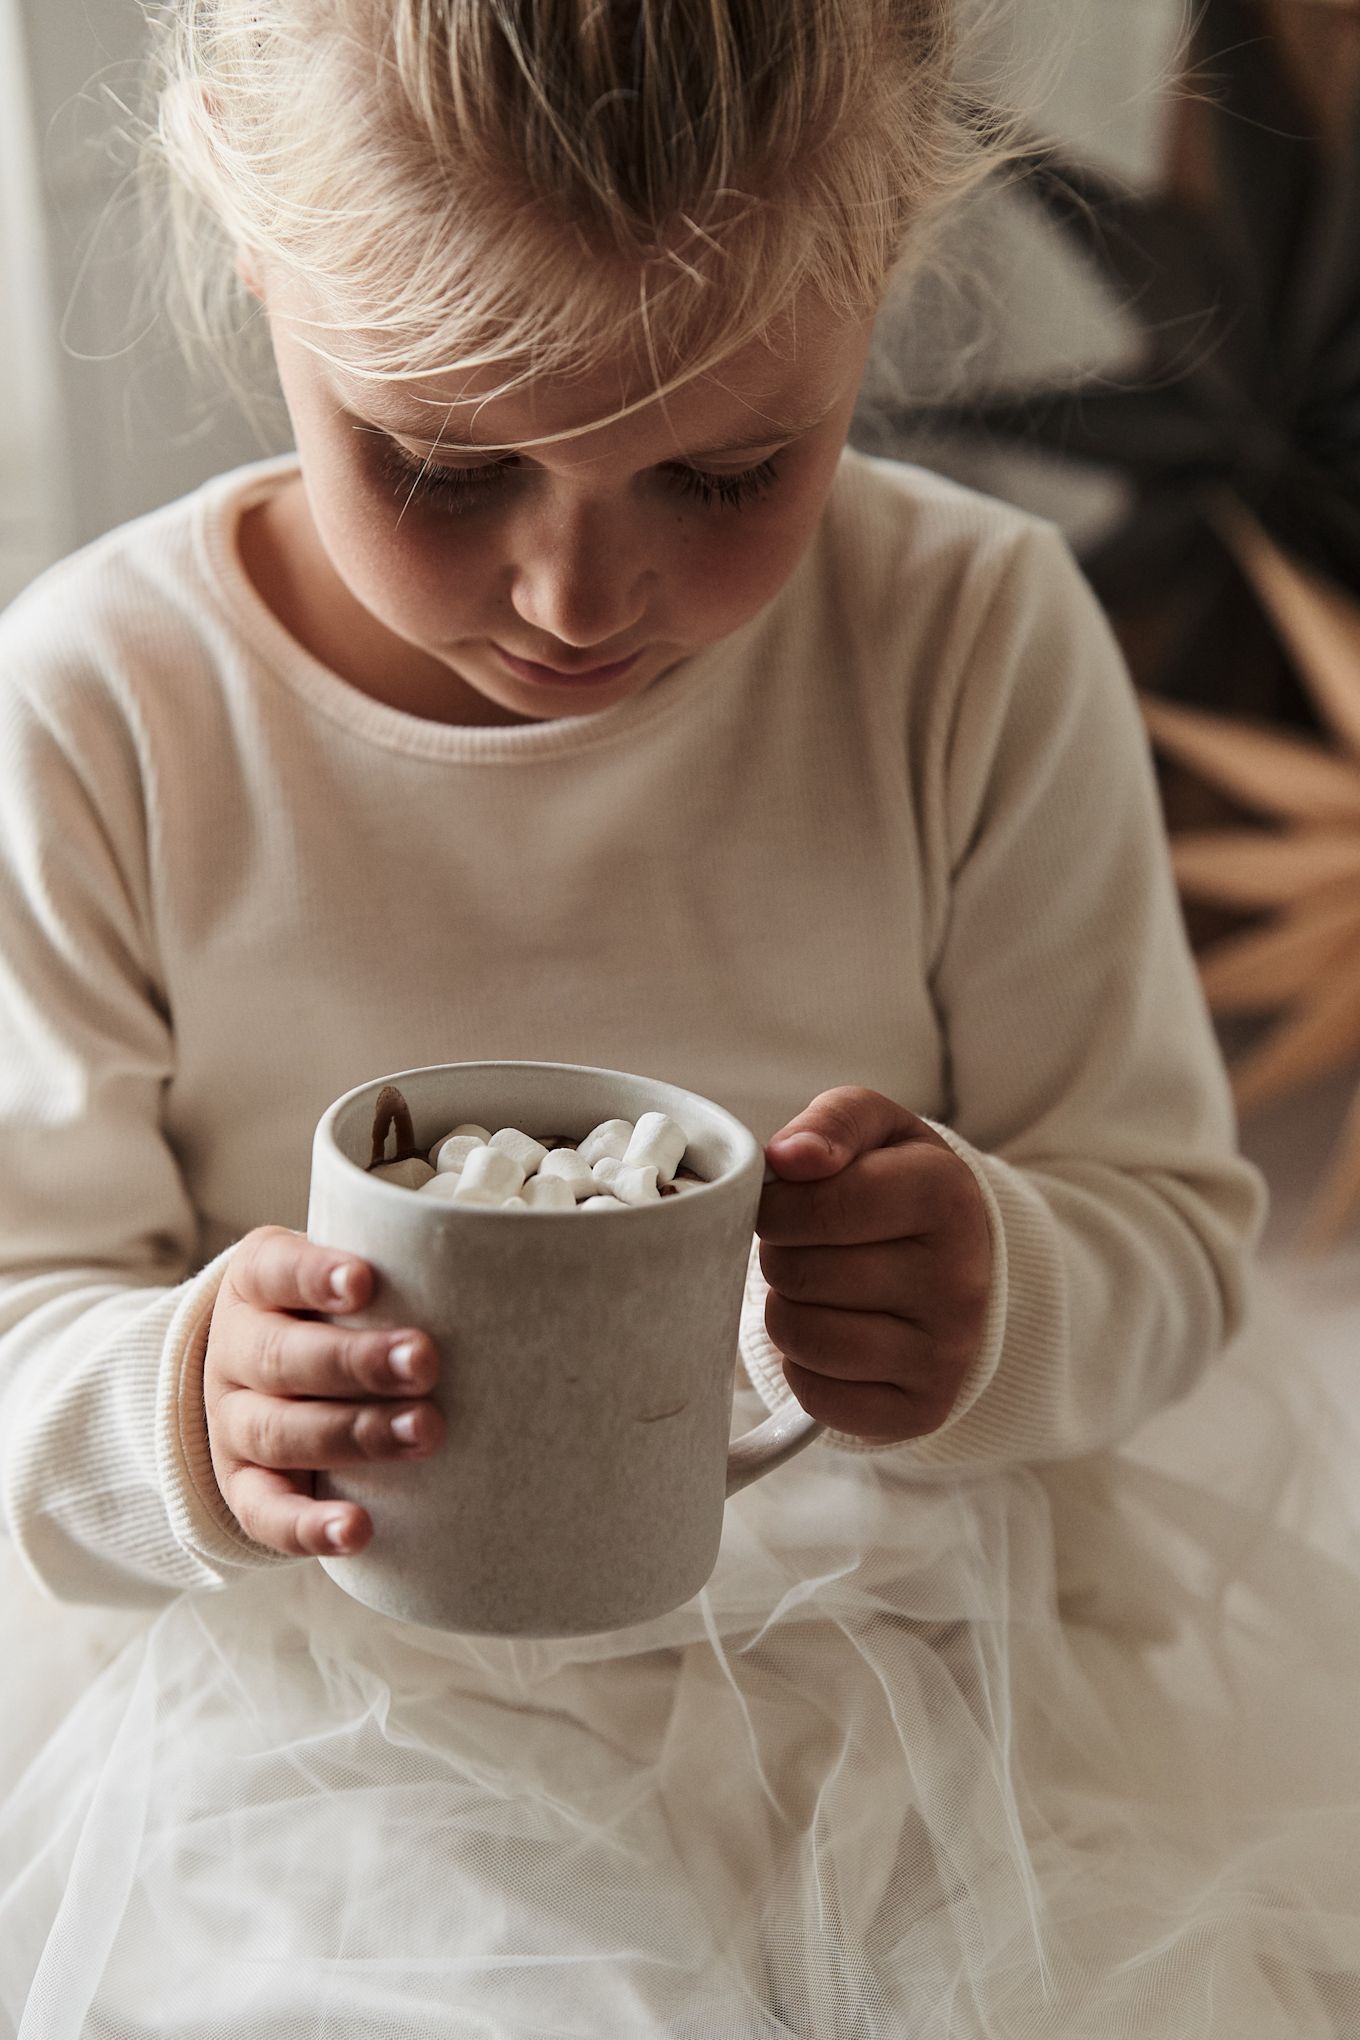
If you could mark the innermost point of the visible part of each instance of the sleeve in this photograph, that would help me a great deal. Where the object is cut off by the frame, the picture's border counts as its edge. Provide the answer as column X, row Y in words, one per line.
column 106, row 1484
column 1086, row 1090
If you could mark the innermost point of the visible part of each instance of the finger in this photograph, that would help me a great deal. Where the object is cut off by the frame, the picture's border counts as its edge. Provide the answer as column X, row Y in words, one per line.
column 873, row 1411
column 836, row 1127
column 299, row 1437
column 848, row 1345
column 288, row 1356
column 910, row 1191
column 893, row 1276
column 279, row 1510
column 916, row 1280
column 275, row 1269
column 860, row 1350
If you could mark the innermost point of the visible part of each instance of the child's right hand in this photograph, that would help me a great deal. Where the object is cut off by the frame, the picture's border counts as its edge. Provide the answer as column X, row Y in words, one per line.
column 286, row 1395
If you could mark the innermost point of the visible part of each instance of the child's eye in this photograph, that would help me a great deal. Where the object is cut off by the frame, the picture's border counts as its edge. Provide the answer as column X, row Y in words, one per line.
column 461, row 488
column 453, row 487
column 731, row 490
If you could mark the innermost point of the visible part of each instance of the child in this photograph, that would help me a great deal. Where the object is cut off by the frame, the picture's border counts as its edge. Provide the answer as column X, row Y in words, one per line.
column 573, row 693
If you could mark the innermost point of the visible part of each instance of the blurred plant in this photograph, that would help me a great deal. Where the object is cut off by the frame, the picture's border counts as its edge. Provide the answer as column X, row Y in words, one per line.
column 1302, row 963
column 1249, row 310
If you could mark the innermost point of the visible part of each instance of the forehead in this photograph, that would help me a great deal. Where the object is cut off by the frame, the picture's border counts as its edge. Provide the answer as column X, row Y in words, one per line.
column 772, row 387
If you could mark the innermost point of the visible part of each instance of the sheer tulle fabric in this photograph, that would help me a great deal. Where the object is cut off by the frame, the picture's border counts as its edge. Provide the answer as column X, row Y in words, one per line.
column 897, row 1771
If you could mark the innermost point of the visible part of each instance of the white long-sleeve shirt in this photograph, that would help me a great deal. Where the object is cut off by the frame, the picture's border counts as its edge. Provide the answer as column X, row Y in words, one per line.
column 898, row 831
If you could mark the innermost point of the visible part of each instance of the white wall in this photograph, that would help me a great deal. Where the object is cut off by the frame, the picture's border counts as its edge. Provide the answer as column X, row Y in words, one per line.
column 36, row 511
column 113, row 427
column 127, row 434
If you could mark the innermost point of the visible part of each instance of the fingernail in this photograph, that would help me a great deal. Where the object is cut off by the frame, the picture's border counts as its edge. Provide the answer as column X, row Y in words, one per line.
column 342, row 1283
column 403, row 1359
column 404, row 1427
column 335, row 1532
column 815, row 1143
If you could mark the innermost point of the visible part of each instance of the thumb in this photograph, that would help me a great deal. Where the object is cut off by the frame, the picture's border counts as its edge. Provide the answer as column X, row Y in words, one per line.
column 809, row 1147
column 836, row 1127
column 800, row 1158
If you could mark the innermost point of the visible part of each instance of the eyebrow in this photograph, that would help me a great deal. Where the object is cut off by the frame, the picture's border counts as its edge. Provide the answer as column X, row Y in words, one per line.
column 777, row 436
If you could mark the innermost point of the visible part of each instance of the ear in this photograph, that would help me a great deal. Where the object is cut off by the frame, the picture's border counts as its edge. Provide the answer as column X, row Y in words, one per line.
column 245, row 269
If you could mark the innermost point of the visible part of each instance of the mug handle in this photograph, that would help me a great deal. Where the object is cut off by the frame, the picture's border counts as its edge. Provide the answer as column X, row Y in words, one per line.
column 783, row 1433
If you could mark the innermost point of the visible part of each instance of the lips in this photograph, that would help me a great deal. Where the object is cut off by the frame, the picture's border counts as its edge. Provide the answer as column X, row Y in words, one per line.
column 534, row 669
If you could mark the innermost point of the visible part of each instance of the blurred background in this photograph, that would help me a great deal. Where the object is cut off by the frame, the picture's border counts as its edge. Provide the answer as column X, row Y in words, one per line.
column 1149, row 332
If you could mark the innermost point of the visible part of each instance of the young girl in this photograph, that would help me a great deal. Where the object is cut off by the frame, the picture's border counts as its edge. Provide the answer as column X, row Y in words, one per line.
column 573, row 693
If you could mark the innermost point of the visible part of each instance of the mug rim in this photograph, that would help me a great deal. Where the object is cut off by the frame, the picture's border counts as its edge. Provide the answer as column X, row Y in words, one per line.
column 325, row 1137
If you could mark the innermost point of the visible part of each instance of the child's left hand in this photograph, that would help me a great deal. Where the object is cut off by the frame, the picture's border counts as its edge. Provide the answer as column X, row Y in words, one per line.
column 878, row 1255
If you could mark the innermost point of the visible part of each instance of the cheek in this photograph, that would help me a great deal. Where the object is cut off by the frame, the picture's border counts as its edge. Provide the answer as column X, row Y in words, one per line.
column 408, row 573
column 730, row 567
column 723, row 580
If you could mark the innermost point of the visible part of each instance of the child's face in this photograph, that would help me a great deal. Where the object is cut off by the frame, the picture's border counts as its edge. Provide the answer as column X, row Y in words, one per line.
column 628, row 546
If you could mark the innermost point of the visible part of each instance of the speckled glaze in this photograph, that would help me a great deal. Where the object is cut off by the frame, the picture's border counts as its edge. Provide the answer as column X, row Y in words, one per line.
column 587, row 1364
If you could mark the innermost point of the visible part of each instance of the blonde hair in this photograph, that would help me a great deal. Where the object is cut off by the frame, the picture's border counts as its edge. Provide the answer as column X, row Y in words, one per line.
column 542, row 186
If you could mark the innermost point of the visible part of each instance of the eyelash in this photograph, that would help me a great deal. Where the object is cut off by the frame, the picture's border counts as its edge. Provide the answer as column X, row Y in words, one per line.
column 456, row 488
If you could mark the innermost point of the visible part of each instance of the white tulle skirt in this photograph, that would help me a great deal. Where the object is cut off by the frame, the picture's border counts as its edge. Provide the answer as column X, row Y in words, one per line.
column 1071, row 1756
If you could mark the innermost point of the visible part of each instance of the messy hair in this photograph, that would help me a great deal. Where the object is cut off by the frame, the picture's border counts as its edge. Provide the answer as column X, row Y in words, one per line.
column 538, row 187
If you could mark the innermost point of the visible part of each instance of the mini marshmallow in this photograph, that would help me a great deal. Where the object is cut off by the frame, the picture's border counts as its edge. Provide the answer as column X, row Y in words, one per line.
column 565, row 1165
column 636, row 1186
column 527, row 1151
column 618, row 1165
column 412, row 1174
column 453, row 1150
column 493, row 1169
column 610, row 1137
column 658, row 1142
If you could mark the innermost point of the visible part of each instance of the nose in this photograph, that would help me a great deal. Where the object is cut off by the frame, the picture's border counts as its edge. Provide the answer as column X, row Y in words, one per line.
column 578, row 576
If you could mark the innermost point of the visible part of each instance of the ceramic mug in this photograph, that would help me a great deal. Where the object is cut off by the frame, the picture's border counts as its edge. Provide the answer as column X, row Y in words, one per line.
column 587, row 1363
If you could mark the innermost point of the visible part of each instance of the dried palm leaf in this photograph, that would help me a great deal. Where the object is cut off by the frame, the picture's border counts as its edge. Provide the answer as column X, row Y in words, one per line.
column 1302, row 869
